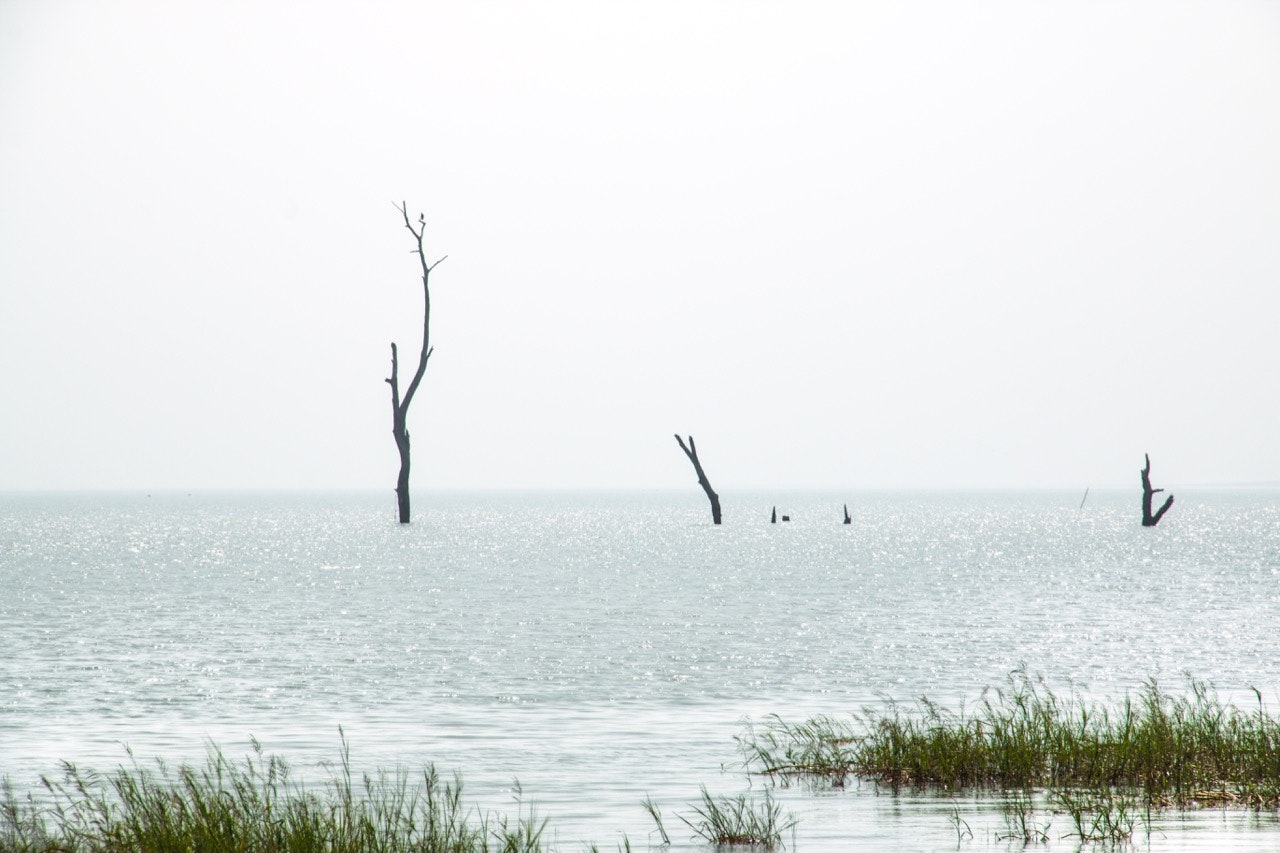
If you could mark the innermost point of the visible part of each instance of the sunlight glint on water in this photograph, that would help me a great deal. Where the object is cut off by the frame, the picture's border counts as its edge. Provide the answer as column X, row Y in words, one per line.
column 601, row 648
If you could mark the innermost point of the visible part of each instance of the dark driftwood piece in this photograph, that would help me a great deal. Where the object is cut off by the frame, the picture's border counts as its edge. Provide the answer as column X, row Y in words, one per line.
column 692, row 452
column 1149, row 520
column 847, row 519
column 400, row 407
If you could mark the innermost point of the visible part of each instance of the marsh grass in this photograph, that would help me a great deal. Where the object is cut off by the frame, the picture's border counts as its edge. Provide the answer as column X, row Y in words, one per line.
column 656, row 813
column 822, row 747
column 1021, row 823
column 731, row 821
column 959, row 824
column 1174, row 750
column 256, row 806
column 1108, row 816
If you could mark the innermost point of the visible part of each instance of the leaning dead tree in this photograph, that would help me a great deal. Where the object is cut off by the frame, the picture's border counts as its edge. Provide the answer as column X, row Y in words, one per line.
column 692, row 452
column 400, row 405
column 1149, row 520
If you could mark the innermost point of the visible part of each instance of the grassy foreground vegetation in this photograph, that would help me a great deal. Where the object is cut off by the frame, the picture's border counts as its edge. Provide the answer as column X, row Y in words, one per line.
column 1166, row 750
column 1099, row 771
column 255, row 806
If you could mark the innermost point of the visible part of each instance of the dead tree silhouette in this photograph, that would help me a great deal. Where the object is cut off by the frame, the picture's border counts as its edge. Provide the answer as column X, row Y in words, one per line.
column 691, row 450
column 400, row 406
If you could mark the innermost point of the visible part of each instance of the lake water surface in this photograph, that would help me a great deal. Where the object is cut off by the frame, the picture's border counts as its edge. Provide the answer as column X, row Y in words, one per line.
column 601, row 648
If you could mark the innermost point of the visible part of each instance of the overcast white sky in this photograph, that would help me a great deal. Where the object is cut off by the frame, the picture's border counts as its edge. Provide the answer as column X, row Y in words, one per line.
column 848, row 245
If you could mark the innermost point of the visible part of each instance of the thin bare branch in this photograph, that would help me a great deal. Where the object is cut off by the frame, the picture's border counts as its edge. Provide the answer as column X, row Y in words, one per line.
column 1150, row 519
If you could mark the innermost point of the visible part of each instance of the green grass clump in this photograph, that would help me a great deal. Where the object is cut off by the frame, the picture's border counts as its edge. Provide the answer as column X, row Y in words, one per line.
column 1175, row 750
column 824, row 747
column 724, row 821
column 254, row 806
column 1109, row 816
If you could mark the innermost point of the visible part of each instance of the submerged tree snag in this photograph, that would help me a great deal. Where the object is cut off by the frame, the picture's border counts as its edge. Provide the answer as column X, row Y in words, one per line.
column 1149, row 520
column 399, row 406
column 692, row 452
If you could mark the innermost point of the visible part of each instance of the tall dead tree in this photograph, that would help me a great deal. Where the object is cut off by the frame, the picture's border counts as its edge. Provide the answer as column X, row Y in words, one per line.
column 692, row 452
column 399, row 405
column 1149, row 520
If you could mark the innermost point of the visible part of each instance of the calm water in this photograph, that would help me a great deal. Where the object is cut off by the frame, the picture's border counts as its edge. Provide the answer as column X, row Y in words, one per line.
column 605, row 647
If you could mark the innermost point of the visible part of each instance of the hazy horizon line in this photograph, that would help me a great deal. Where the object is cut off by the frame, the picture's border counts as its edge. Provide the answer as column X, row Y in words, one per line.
column 446, row 490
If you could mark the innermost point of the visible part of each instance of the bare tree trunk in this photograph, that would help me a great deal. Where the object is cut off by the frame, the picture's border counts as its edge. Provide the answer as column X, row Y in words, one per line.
column 401, row 435
column 400, row 407
column 1149, row 520
column 692, row 452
